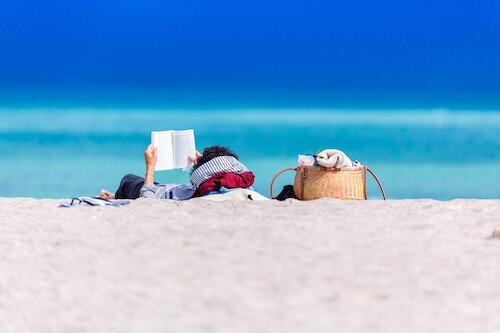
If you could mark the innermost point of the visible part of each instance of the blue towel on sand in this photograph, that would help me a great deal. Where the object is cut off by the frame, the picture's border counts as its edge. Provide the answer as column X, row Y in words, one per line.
column 92, row 201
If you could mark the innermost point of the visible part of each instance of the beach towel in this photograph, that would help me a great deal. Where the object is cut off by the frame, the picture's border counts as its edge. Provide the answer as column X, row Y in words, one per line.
column 93, row 201
column 333, row 158
column 240, row 194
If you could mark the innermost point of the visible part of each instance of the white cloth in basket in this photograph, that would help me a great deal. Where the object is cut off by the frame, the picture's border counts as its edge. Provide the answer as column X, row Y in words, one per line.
column 333, row 158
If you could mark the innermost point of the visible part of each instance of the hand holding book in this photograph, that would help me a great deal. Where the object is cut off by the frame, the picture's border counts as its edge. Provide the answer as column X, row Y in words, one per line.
column 193, row 159
column 151, row 156
column 151, row 159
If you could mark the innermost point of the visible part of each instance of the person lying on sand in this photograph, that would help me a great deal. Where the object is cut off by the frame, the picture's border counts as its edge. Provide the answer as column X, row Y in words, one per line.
column 216, row 168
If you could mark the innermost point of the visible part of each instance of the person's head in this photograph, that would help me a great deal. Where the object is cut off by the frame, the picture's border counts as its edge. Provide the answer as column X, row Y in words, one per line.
column 213, row 152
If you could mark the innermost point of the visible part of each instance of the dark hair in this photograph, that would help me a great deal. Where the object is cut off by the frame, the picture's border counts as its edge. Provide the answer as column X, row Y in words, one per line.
column 213, row 152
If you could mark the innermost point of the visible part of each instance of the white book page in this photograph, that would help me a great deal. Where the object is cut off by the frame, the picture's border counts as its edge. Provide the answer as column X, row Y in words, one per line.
column 162, row 140
column 184, row 146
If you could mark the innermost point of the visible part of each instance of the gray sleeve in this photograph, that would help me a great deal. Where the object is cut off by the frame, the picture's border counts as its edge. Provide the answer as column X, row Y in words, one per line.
column 152, row 191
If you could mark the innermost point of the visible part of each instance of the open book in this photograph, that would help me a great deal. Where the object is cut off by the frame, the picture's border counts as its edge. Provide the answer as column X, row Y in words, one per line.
column 174, row 148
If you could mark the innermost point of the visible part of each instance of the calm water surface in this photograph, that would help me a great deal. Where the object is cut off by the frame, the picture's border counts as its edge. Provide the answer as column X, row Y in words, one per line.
column 417, row 153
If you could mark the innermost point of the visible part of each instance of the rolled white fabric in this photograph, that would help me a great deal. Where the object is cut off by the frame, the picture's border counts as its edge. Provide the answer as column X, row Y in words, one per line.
column 333, row 158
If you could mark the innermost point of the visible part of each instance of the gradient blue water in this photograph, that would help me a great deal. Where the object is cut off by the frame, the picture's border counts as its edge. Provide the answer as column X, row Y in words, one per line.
column 417, row 153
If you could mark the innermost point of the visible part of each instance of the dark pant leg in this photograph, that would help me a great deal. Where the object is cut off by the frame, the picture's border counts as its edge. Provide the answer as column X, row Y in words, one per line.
column 130, row 187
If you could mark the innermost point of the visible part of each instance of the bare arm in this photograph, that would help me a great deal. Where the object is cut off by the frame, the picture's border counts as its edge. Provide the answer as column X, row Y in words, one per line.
column 150, row 157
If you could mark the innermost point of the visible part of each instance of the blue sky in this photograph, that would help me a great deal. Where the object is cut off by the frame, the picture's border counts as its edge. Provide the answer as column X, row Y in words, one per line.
column 434, row 53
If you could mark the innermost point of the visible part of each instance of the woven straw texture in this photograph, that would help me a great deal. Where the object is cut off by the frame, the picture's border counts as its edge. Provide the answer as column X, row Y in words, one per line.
column 316, row 182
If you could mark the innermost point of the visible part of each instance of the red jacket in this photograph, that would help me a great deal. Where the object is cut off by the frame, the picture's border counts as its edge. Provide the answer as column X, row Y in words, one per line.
column 227, row 180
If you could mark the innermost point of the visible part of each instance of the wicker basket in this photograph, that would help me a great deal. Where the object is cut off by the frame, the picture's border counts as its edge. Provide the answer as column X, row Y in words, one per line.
column 312, row 182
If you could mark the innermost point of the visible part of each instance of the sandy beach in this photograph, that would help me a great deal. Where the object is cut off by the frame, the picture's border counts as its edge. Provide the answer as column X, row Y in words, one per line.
column 159, row 266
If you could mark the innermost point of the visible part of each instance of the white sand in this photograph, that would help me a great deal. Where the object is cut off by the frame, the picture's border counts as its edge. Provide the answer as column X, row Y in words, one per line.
column 157, row 266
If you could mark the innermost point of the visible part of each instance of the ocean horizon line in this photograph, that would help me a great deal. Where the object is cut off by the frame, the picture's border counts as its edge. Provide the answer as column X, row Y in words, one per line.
column 246, row 107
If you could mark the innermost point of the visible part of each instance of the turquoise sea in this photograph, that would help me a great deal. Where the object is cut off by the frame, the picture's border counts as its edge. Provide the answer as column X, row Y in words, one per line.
column 64, row 152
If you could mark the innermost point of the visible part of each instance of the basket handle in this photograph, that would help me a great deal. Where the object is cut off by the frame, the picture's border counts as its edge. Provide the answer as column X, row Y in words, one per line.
column 378, row 182
column 275, row 177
